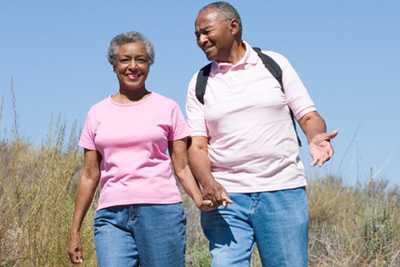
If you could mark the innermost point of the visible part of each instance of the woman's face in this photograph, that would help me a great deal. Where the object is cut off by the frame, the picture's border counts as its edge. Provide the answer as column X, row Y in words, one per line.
column 132, row 66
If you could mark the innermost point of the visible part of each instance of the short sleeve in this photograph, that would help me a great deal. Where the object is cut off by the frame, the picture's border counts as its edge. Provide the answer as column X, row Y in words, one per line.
column 179, row 127
column 296, row 93
column 88, row 132
column 195, row 111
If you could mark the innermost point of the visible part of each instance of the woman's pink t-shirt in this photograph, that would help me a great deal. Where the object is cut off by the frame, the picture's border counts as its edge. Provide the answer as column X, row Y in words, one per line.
column 133, row 142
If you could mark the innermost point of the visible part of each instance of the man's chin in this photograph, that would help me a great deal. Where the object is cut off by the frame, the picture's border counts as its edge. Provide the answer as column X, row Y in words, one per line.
column 210, row 56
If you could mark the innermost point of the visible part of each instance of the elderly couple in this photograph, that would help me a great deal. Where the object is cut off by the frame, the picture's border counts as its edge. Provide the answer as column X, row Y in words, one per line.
column 244, row 155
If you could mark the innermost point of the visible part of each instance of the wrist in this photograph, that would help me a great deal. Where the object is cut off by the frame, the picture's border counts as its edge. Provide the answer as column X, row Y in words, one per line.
column 198, row 203
column 209, row 182
column 75, row 231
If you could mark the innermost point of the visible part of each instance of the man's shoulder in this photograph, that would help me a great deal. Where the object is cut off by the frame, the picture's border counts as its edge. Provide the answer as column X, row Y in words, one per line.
column 278, row 57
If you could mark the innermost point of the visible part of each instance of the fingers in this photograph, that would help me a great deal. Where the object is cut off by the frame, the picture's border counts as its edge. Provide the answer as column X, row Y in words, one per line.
column 319, row 138
column 76, row 258
column 215, row 196
column 314, row 162
column 225, row 199
column 75, row 252
column 322, row 156
column 333, row 134
column 330, row 153
column 330, row 136
column 206, row 202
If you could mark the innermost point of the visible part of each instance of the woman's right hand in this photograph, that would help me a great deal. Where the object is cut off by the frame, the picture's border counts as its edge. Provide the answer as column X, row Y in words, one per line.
column 75, row 248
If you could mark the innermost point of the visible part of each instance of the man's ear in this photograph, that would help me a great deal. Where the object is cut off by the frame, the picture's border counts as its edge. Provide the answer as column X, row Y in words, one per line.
column 235, row 28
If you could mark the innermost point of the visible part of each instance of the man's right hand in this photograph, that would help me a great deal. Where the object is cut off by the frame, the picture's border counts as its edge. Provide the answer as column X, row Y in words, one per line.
column 216, row 193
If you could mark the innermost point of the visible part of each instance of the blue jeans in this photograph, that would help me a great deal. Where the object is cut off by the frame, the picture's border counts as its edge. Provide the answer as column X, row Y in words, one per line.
column 276, row 221
column 149, row 235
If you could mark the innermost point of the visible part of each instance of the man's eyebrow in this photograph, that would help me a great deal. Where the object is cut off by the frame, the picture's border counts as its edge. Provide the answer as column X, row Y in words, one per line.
column 206, row 28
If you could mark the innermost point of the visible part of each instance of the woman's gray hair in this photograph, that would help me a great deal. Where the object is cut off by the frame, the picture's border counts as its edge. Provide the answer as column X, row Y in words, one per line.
column 226, row 10
column 126, row 38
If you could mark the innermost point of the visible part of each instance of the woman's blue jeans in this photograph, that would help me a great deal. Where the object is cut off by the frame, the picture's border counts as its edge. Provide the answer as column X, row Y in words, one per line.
column 149, row 235
column 276, row 221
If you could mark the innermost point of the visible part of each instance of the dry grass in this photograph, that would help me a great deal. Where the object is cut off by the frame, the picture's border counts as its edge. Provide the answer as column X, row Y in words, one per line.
column 350, row 226
column 354, row 226
column 36, row 203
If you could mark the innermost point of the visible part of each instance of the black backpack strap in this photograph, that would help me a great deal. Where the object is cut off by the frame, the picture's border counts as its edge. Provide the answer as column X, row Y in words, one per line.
column 201, row 82
column 276, row 71
column 269, row 63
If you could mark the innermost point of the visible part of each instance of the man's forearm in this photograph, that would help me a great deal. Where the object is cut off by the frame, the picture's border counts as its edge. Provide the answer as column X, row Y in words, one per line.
column 312, row 124
column 200, row 166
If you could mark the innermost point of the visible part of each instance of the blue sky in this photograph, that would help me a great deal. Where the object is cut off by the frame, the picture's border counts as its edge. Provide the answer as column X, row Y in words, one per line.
column 346, row 52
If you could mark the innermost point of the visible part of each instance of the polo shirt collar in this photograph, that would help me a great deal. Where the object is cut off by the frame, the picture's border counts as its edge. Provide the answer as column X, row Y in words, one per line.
column 250, row 57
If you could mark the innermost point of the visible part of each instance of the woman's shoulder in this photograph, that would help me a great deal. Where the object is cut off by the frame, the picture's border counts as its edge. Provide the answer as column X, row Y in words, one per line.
column 100, row 105
column 164, row 100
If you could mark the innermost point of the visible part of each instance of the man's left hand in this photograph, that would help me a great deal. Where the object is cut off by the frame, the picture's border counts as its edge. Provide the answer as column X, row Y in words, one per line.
column 320, row 147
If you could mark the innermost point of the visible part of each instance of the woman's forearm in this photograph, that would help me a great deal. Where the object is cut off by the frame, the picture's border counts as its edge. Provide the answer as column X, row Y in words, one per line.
column 189, row 184
column 87, row 188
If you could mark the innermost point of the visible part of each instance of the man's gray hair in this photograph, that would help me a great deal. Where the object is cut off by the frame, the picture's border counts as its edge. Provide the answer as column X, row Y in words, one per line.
column 227, row 10
column 126, row 38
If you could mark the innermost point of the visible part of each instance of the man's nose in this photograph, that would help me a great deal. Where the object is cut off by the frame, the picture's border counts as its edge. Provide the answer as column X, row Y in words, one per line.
column 202, row 40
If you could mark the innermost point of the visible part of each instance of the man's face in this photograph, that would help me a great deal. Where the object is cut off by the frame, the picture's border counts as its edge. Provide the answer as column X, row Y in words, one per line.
column 214, row 35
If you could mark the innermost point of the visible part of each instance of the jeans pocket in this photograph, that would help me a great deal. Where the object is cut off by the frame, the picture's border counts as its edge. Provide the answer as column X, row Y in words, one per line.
column 112, row 215
column 180, row 211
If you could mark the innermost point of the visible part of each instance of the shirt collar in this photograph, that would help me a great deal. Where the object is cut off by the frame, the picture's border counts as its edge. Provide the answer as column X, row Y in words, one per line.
column 250, row 57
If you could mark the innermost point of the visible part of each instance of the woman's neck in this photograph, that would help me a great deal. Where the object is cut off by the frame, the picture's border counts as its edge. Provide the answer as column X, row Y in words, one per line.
column 125, row 95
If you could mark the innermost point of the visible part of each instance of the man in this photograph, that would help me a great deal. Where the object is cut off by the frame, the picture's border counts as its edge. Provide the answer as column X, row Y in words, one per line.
column 244, row 149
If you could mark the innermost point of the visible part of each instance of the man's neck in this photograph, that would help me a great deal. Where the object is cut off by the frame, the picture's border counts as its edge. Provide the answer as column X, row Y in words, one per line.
column 236, row 53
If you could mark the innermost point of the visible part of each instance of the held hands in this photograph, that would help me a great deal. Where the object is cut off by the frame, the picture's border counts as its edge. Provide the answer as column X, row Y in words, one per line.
column 75, row 248
column 320, row 147
column 204, row 204
column 214, row 195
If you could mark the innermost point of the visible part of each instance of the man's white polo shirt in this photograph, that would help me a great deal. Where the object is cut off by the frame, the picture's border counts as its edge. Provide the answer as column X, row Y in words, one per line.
column 252, row 143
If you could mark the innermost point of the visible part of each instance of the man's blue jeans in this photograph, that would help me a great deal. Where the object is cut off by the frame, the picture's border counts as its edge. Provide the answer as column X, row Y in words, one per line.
column 276, row 221
column 149, row 235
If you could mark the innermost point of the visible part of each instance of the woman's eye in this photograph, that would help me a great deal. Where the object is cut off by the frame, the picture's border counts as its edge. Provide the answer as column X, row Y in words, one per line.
column 141, row 61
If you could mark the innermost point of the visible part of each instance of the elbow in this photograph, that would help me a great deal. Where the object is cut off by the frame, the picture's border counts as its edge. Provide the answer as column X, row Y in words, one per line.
column 181, row 173
column 91, row 175
column 196, row 148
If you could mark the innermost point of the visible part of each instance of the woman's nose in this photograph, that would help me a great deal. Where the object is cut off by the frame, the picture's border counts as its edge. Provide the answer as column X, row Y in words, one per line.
column 132, row 63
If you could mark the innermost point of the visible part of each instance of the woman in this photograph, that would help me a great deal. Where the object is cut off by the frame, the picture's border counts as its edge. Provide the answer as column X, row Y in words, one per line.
column 139, row 218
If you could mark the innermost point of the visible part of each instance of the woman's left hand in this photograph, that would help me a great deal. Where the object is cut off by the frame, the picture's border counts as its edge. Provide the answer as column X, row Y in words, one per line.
column 205, row 205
